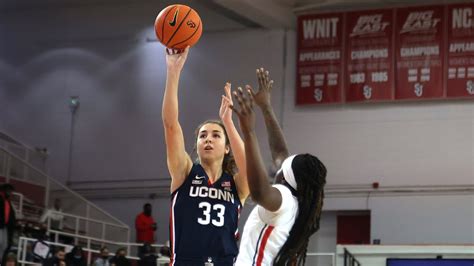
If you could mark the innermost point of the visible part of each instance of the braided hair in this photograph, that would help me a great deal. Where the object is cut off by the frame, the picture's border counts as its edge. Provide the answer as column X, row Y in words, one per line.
column 310, row 174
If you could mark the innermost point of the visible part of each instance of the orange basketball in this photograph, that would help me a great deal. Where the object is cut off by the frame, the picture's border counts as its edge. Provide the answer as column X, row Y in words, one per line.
column 178, row 26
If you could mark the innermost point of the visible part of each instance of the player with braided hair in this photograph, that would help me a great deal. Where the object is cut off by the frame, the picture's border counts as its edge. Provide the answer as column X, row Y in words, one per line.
column 278, row 229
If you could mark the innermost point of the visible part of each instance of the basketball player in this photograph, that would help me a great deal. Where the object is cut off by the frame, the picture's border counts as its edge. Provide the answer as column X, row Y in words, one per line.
column 206, row 197
column 288, row 213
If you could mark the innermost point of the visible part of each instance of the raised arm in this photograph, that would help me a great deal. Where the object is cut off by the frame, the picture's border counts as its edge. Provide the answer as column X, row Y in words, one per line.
column 236, row 143
column 262, row 98
column 179, row 162
column 260, row 190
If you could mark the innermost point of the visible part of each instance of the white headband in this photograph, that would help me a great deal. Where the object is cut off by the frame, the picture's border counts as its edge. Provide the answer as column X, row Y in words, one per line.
column 288, row 171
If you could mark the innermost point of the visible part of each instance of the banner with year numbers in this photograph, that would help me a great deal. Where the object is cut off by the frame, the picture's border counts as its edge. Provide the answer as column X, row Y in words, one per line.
column 369, row 55
column 319, row 65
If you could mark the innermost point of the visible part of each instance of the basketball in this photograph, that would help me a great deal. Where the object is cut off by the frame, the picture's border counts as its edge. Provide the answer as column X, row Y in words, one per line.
column 178, row 26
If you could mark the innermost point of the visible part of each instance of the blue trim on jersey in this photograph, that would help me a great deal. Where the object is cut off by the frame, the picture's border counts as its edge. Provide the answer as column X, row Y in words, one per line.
column 258, row 243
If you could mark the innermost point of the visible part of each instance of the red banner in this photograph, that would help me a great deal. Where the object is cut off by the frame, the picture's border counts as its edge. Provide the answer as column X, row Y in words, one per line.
column 460, row 70
column 369, row 56
column 420, row 52
column 319, row 59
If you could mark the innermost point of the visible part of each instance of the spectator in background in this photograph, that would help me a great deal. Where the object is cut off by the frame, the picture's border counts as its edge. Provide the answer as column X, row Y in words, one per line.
column 57, row 260
column 148, row 257
column 29, row 256
column 55, row 215
column 164, row 255
column 145, row 226
column 7, row 219
column 103, row 259
column 165, row 251
column 76, row 257
column 120, row 258
column 11, row 260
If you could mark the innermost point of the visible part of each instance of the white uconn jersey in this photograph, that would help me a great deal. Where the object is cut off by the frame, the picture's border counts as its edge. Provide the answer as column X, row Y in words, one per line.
column 265, row 232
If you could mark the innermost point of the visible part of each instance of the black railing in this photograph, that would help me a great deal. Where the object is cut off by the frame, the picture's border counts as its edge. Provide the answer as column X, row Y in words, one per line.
column 349, row 259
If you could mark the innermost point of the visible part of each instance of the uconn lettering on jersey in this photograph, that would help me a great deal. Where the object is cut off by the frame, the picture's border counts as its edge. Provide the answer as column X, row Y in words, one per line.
column 210, row 192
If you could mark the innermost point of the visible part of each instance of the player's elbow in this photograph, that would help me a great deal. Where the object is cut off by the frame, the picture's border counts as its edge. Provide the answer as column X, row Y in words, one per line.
column 169, row 123
column 279, row 158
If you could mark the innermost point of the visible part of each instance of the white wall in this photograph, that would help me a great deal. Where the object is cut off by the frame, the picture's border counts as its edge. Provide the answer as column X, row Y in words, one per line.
column 423, row 219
